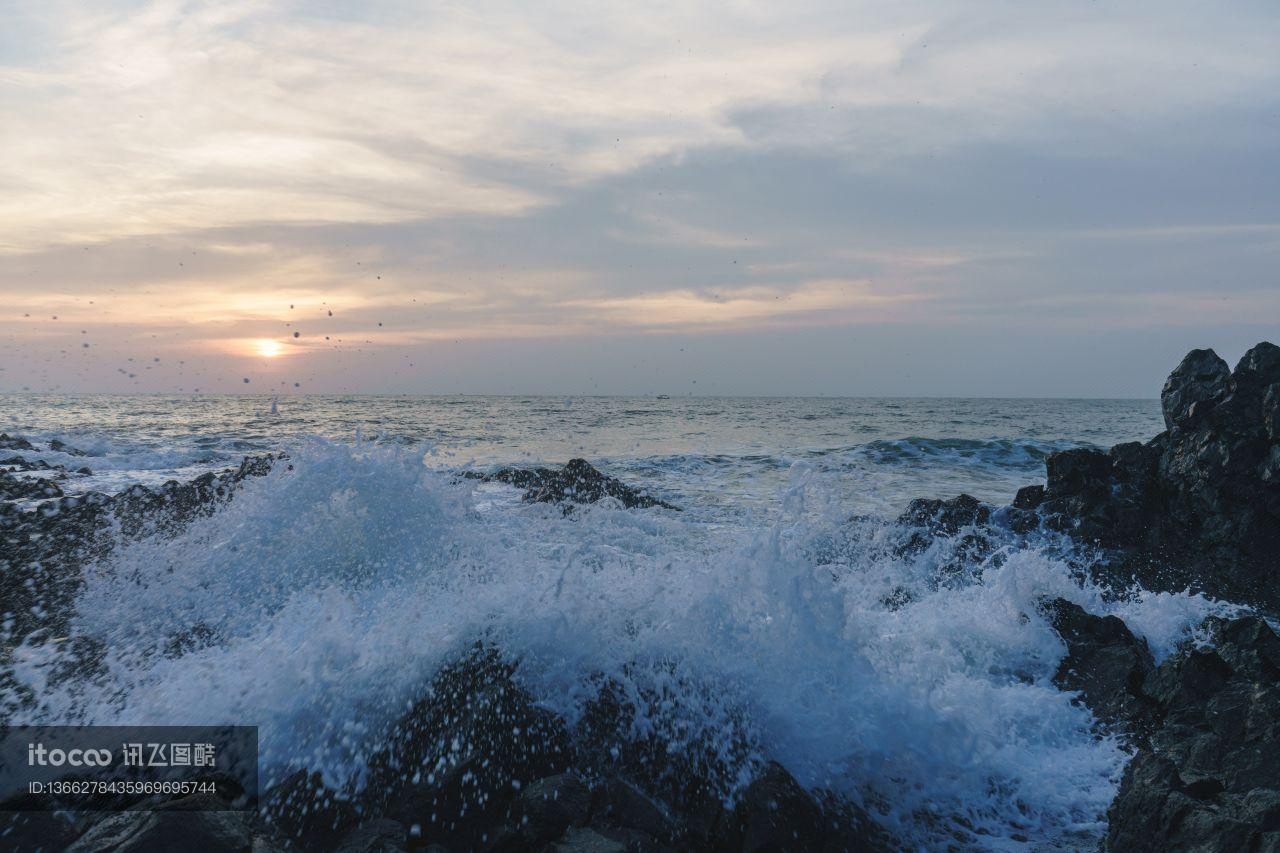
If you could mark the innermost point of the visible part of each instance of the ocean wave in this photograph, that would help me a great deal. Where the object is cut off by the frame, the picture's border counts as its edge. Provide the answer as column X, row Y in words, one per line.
column 327, row 595
column 1020, row 454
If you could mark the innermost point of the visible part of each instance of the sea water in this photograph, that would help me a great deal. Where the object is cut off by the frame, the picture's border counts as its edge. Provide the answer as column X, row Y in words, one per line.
column 773, row 610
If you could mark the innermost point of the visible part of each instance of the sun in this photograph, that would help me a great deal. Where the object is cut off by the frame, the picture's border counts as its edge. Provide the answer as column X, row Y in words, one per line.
column 268, row 348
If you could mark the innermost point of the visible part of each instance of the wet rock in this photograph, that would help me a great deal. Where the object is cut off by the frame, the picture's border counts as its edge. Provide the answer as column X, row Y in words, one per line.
column 1271, row 411
column 945, row 517
column 577, row 482
column 1200, row 380
column 1080, row 469
column 21, row 463
column 455, row 763
column 186, row 826
column 1199, row 505
column 618, row 802
column 306, row 812
column 1209, row 776
column 1105, row 663
column 14, row 442
column 46, row 546
column 62, row 447
column 548, row 807
column 585, row 840
column 777, row 814
column 1257, row 369
column 1029, row 497
column 375, row 836
column 27, row 488
column 962, row 519
column 627, row 731
column 36, row 832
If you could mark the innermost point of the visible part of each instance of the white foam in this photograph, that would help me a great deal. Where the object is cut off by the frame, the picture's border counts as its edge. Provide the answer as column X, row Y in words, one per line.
column 337, row 589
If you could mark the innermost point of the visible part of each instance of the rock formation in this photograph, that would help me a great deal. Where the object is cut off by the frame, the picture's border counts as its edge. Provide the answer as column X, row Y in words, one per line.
column 576, row 483
column 1197, row 506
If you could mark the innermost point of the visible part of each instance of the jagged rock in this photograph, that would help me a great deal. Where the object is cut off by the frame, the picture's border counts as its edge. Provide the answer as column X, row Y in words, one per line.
column 36, row 832
column 1105, row 663
column 27, row 488
column 1200, row 380
column 457, row 760
column 945, row 517
column 622, row 804
column 1271, row 411
column 15, row 442
column 777, row 814
column 1199, row 505
column 1209, row 777
column 1029, row 497
column 21, row 463
column 306, row 812
column 45, row 546
column 375, row 836
column 63, row 447
column 476, row 764
column 585, row 840
column 548, row 807
column 577, row 482
column 962, row 518
column 176, row 826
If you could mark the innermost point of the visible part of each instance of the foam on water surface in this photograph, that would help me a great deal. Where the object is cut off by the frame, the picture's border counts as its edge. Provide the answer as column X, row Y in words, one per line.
column 321, row 600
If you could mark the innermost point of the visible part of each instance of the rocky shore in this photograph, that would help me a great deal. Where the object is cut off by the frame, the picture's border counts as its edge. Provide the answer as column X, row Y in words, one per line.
column 1197, row 507
column 476, row 764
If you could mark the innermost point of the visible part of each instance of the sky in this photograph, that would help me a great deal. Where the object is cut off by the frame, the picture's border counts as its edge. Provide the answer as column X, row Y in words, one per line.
column 803, row 198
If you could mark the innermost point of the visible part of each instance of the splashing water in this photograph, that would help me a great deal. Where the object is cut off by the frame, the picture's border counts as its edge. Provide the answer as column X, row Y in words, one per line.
column 318, row 603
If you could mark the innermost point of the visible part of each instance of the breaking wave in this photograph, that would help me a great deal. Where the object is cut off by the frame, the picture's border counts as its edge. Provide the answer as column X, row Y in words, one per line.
column 318, row 603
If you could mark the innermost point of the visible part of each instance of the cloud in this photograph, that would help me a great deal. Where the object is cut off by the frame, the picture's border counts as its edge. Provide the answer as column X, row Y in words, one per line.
column 174, row 175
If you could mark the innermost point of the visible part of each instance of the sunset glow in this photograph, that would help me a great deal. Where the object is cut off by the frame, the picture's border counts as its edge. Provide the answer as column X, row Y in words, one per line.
column 268, row 348
column 197, row 191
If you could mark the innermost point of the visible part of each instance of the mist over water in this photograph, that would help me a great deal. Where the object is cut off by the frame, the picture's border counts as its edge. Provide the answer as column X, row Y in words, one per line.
column 774, row 611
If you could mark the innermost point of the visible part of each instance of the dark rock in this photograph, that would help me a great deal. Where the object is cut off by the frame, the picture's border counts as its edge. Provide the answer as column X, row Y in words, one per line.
column 1209, row 776
column 628, row 732
column 308, row 813
column 456, row 761
column 587, row 840
column 15, row 442
column 945, row 517
column 46, row 546
column 962, row 519
column 186, row 827
column 375, row 836
column 548, row 807
column 1271, row 411
column 775, row 813
column 36, row 832
column 1257, row 369
column 1105, row 663
column 27, row 488
column 1199, row 505
column 21, row 463
column 1078, row 470
column 62, row 447
column 1201, row 378
column 1029, row 497
column 622, row 804
column 577, row 482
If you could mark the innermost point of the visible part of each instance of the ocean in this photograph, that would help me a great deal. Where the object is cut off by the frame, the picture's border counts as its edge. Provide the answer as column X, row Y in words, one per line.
column 774, row 609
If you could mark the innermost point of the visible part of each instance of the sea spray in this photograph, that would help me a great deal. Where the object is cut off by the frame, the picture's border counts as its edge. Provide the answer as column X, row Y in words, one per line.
column 318, row 603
